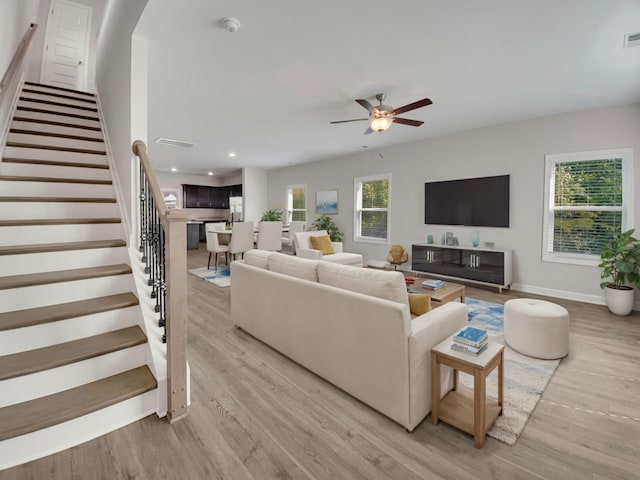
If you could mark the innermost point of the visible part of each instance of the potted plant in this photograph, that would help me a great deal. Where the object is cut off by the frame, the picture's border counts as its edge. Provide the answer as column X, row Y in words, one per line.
column 324, row 222
column 272, row 215
column 621, row 267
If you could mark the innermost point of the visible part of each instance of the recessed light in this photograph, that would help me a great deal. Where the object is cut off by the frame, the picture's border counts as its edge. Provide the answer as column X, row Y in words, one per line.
column 209, row 173
column 174, row 169
column 231, row 154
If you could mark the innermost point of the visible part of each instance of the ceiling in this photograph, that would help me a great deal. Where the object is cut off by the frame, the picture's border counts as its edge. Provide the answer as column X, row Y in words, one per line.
column 268, row 91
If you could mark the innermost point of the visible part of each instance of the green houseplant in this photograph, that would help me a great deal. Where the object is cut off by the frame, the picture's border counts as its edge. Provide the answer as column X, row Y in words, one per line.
column 620, row 268
column 324, row 222
column 272, row 215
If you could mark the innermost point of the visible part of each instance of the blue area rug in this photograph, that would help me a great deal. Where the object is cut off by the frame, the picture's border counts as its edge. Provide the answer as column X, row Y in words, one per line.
column 221, row 278
column 525, row 378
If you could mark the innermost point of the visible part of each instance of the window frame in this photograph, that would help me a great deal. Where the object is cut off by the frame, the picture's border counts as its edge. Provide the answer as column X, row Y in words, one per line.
column 357, row 209
column 289, row 211
column 551, row 160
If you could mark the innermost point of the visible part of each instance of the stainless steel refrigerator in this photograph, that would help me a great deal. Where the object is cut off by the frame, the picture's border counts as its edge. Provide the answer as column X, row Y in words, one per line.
column 235, row 209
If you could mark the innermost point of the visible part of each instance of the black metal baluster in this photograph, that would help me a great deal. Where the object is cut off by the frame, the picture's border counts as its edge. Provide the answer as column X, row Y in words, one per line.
column 163, row 285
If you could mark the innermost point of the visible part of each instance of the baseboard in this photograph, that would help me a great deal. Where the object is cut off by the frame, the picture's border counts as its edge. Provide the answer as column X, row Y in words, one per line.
column 565, row 294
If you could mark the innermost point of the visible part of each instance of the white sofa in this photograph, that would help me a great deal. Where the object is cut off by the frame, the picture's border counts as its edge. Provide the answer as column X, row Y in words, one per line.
column 305, row 250
column 324, row 316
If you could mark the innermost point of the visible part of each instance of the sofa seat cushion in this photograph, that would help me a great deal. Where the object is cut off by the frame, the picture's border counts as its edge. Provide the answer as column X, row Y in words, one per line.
column 294, row 266
column 381, row 284
column 257, row 258
column 345, row 258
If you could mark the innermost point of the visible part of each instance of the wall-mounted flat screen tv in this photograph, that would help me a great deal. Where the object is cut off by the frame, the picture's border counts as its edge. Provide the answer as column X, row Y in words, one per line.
column 474, row 202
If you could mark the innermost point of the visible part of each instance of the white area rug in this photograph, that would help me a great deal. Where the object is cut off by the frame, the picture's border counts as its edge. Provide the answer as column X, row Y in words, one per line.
column 221, row 278
column 525, row 378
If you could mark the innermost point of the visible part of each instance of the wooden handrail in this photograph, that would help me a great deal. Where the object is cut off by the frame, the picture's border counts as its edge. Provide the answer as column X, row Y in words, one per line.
column 172, row 241
column 18, row 56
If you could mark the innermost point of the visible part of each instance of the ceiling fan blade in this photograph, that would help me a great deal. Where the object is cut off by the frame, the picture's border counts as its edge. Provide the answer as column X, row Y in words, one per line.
column 406, row 121
column 368, row 131
column 354, row 120
column 365, row 104
column 412, row 106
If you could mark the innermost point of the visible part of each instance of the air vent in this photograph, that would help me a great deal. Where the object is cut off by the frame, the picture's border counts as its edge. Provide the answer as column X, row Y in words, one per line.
column 175, row 143
column 632, row 40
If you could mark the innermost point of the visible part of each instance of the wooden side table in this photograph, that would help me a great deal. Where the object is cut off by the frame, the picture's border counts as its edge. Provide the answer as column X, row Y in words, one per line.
column 469, row 412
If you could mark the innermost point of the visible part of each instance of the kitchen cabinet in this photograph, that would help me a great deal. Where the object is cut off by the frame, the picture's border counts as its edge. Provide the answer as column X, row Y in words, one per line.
column 201, row 196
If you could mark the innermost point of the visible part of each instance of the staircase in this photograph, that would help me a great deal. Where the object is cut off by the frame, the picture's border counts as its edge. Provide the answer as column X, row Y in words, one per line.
column 73, row 358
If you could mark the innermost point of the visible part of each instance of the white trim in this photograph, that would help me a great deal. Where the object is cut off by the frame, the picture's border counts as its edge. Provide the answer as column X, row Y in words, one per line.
column 565, row 294
column 357, row 206
column 626, row 154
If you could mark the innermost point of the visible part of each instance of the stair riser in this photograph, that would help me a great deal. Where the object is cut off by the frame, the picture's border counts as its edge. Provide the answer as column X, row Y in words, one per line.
column 51, row 117
column 46, row 90
column 29, row 235
column 53, row 261
column 55, row 142
column 54, row 439
column 37, row 153
column 54, row 189
column 28, row 387
column 61, row 111
column 63, row 292
column 37, row 210
column 52, row 98
column 43, row 127
column 39, row 336
column 32, row 170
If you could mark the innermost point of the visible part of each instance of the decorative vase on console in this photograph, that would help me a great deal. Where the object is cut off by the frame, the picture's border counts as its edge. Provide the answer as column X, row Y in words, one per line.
column 475, row 239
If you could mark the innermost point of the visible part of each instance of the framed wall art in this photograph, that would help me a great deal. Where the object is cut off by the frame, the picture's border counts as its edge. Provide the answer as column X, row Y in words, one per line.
column 327, row 202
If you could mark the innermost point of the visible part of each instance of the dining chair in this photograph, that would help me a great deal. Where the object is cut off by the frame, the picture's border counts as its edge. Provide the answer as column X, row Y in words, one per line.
column 213, row 246
column 241, row 238
column 294, row 227
column 270, row 236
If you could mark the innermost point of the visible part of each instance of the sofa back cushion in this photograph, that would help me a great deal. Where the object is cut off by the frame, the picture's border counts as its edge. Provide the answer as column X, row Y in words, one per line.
column 377, row 283
column 257, row 258
column 302, row 238
column 294, row 266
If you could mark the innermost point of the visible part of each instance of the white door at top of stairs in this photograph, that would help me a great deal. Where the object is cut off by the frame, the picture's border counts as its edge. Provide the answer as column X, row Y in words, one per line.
column 65, row 53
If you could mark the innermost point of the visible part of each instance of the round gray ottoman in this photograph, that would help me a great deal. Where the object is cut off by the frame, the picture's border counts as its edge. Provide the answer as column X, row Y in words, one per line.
column 536, row 328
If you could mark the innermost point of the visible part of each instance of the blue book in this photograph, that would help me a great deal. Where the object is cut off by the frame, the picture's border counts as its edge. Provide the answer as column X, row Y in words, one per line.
column 468, row 348
column 471, row 336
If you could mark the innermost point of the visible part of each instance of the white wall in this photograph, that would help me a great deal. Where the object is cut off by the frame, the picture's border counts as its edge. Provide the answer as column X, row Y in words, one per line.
column 517, row 149
column 254, row 192
column 114, row 85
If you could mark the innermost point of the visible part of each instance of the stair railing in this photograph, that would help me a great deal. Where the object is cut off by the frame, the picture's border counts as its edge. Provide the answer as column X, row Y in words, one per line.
column 162, row 240
column 18, row 56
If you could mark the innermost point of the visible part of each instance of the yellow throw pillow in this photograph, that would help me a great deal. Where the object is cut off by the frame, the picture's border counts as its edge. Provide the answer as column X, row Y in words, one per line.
column 322, row 243
column 419, row 303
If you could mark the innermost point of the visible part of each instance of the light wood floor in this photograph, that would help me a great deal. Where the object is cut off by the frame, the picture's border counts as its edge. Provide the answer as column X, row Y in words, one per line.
column 256, row 414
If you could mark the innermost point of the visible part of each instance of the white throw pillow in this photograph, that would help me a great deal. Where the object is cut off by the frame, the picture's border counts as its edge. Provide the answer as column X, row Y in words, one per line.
column 377, row 283
column 257, row 258
column 294, row 266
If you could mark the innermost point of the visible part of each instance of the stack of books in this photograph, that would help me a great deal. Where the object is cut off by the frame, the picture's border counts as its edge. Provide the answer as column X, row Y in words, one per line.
column 433, row 284
column 470, row 340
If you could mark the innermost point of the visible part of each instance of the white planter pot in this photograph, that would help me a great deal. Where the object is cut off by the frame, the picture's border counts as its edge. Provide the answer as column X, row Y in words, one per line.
column 620, row 302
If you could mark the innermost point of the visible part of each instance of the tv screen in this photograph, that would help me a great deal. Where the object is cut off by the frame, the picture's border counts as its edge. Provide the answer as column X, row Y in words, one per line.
column 474, row 202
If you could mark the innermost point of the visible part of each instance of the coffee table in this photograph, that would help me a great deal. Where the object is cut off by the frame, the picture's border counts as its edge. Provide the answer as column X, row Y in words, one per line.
column 441, row 295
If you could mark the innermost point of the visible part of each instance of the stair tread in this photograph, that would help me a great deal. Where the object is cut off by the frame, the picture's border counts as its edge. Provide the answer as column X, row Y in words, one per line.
column 53, row 112
column 58, row 124
column 60, row 247
column 60, row 407
column 63, row 311
column 55, row 148
column 20, row 178
column 67, row 136
column 57, row 221
column 59, row 95
column 58, row 199
column 43, row 278
column 32, row 361
column 58, row 163
column 54, row 87
column 57, row 104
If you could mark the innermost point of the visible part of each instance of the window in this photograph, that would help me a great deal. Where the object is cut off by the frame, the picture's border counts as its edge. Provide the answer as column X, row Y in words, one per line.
column 296, row 203
column 372, row 209
column 587, row 201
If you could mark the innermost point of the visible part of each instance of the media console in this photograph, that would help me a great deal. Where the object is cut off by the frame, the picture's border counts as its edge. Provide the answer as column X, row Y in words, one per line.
column 488, row 266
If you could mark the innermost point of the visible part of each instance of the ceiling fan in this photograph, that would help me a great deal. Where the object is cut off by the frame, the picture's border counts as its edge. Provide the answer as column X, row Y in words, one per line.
column 382, row 116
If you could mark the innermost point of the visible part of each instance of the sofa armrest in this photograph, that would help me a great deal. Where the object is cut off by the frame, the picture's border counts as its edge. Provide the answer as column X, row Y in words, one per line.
column 426, row 332
column 337, row 247
column 309, row 253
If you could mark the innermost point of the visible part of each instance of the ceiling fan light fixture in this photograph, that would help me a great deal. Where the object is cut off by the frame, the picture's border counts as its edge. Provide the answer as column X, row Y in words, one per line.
column 380, row 123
